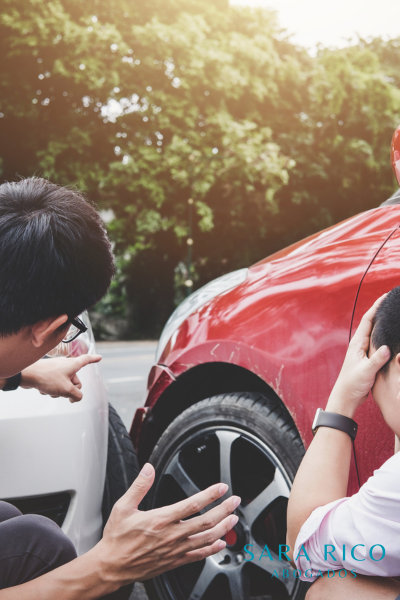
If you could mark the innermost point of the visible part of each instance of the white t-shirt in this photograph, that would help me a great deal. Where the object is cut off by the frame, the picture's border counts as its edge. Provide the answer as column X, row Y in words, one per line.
column 369, row 519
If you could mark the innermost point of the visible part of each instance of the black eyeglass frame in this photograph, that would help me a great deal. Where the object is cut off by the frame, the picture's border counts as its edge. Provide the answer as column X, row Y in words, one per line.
column 79, row 324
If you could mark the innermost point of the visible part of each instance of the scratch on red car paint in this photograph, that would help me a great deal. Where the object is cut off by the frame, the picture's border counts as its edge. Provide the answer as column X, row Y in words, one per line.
column 293, row 414
column 232, row 356
column 255, row 369
column 213, row 350
column 278, row 382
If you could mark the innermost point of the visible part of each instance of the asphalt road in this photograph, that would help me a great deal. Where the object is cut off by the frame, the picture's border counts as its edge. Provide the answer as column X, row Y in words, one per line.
column 125, row 367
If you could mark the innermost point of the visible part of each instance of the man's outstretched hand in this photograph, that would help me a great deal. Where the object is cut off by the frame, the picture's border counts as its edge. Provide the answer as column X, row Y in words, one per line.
column 58, row 376
column 139, row 545
column 359, row 370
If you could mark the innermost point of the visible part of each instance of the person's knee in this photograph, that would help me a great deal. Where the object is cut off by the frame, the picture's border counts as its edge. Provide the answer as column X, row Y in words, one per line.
column 32, row 546
column 315, row 591
column 311, row 593
column 47, row 540
column 8, row 511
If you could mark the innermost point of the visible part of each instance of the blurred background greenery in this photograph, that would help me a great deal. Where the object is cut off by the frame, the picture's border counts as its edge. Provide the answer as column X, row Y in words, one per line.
column 145, row 105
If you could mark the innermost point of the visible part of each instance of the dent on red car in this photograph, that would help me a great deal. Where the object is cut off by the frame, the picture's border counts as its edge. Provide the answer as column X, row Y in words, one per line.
column 289, row 323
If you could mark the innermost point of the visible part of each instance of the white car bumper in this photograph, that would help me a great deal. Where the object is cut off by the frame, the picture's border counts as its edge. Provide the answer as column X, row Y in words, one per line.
column 48, row 445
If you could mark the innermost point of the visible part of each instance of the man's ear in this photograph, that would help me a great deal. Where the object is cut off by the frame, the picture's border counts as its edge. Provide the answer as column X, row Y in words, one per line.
column 44, row 330
column 396, row 362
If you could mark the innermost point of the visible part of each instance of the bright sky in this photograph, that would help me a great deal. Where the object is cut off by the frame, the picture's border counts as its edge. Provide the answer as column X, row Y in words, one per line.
column 313, row 21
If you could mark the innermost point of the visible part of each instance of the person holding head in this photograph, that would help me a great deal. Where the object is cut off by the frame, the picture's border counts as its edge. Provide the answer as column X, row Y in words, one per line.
column 358, row 538
column 56, row 262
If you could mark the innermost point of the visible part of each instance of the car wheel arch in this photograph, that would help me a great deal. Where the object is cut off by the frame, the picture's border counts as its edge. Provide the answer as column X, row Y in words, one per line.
column 198, row 383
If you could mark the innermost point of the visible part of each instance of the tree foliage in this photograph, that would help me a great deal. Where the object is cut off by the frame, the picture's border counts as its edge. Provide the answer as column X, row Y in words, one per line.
column 147, row 104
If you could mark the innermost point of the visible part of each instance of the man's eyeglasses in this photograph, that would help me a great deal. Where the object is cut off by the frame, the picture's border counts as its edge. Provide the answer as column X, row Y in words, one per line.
column 75, row 329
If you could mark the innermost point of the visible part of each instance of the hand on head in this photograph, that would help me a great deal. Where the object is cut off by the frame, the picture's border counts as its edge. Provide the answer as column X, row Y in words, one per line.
column 359, row 369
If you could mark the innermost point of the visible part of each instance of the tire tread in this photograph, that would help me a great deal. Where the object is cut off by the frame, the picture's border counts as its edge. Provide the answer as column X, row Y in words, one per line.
column 122, row 465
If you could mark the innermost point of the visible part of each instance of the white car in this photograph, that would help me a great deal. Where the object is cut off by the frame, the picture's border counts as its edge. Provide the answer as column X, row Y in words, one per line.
column 69, row 462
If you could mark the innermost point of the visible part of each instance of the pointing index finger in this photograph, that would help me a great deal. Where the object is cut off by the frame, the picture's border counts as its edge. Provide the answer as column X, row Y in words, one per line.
column 85, row 359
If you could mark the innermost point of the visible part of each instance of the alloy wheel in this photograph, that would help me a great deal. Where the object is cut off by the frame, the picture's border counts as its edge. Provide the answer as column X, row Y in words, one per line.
column 251, row 470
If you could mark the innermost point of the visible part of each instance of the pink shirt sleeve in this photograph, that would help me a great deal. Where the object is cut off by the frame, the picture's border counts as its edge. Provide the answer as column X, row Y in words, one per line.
column 353, row 526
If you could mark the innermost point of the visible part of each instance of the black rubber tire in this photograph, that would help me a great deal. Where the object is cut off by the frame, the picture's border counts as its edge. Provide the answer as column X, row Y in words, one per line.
column 122, row 469
column 257, row 414
column 122, row 465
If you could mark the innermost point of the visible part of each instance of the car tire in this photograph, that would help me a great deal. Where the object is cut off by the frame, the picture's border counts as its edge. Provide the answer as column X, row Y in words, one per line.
column 122, row 469
column 122, row 464
column 249, row 441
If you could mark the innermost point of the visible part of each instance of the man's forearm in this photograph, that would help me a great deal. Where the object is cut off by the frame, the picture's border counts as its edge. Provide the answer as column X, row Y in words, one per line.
column 84, row 578
column 322, row 476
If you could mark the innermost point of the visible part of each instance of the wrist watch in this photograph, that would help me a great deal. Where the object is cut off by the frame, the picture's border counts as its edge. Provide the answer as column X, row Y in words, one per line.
column 335, row 421
column 13, row 383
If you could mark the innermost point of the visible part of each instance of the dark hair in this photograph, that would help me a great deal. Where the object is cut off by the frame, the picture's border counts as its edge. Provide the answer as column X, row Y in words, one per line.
column 55, row 257
column 386, row 325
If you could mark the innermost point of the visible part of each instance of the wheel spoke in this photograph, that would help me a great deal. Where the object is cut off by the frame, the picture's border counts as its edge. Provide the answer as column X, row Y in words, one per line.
column 278, row 487
column 207, row 575
column 279, row 566
column 239, row 584
column 176, row 470
column 226, row 439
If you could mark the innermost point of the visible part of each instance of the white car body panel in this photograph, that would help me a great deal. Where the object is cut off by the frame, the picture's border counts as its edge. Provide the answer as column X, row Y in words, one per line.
column 49, row 445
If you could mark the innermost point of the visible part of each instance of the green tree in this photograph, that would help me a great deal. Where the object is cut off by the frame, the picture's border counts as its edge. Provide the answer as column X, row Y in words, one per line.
column 145, row 105
column 343, row 148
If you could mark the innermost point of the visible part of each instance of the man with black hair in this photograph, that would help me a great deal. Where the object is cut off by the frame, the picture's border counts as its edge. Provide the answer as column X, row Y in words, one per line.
column 357, row 538
column 56, row 262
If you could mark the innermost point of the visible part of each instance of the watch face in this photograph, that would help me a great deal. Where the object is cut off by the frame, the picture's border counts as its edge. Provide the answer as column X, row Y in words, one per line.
column 316, row 419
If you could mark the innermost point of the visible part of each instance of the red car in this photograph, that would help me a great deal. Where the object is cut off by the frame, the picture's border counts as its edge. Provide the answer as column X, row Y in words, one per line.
column 242, row 366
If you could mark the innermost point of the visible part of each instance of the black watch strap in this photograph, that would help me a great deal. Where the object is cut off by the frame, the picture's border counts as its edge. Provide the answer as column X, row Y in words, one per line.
column 335, row 421
column 13, row 383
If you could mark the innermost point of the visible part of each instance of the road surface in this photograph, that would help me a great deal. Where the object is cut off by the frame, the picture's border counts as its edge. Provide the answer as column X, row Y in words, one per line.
column 125, row 367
